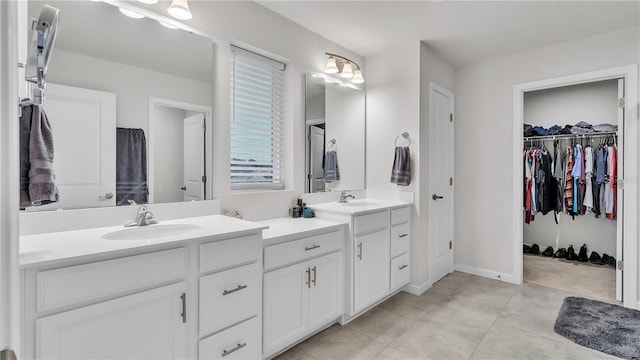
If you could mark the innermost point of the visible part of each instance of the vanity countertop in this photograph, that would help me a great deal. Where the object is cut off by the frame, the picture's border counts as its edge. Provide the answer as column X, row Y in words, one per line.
column 359, row 206
column 287, row 228
column 42, row 249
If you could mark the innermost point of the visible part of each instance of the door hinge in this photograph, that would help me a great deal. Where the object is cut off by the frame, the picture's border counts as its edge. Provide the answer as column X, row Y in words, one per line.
column 204, row 178
column 204, row 127
column 620, row 265
column 450, row 181
column 621, row 103
column 451, row 117
column 450, row 245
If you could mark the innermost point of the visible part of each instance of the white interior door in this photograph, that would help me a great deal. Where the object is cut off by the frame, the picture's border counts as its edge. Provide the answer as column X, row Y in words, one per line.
column 620, row 205
column 194, row 134
column 316, row 176
column 440, row 182
column 84, row 137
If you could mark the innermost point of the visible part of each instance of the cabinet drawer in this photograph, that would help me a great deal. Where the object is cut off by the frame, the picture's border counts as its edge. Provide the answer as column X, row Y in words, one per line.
column 400, row 215
column 239, row 342
column 75, row 284
column 294, row 251
column 222, row 254
column 229, row 297
column 369, row 222
column 400, row 239
column 400, row 271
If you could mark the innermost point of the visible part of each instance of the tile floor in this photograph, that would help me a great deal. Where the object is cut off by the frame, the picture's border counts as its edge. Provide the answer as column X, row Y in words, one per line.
column 461, row 317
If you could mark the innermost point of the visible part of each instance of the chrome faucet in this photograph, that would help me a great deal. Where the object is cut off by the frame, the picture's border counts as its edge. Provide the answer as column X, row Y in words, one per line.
column 344, row 197
column 143, row 217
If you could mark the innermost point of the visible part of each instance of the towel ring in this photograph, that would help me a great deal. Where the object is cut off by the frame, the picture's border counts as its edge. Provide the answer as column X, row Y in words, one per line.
column 404, row 135
column 332, row 142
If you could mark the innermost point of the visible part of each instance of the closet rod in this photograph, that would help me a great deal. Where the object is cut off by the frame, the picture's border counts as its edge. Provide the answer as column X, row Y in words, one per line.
column 573, row 136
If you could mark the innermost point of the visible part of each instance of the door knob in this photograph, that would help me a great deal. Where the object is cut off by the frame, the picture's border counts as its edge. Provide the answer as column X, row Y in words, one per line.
column 436, row 197
column 184, row 188
column 106, row 196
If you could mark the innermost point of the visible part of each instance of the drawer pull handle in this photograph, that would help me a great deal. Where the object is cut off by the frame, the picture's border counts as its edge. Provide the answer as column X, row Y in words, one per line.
column 227, row 292
column 238, row 347
column 306, row 248
column 360, row 251
column 183, row 297
column 308, row 278
column 402, row 267
column 403, row 235
column 315, row 276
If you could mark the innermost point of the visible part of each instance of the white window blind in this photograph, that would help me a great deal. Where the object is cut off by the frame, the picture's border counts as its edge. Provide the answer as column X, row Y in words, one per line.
column 256, row 120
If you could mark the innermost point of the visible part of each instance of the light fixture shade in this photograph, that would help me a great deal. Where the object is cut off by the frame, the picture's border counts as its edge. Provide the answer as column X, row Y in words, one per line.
column 179, row 9
column 131, row 13
column 150, row 2
column 347, row 71
column 357, row 77
column 331, row 67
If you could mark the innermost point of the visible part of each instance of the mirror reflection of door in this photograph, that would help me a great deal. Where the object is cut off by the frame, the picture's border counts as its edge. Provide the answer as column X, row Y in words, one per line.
column 316, row 158
column 193, row 157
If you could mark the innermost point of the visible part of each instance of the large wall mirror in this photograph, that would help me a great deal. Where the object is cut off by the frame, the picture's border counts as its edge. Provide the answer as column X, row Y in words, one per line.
column 152, row 83
column 335, row 136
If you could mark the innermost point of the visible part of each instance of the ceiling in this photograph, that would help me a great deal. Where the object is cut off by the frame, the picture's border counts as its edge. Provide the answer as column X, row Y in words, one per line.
column 461, row 32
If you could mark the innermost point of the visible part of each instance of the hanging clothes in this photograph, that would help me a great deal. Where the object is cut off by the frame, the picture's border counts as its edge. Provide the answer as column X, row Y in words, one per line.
column 588, row 193
column 568, row 189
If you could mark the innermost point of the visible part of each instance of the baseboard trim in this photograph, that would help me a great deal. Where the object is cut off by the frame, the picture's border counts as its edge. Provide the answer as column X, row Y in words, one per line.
column 417, row 289
column 487, row 273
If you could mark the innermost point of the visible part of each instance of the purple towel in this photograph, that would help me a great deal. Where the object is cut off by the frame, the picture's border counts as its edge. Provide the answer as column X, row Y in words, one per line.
column 401, row 172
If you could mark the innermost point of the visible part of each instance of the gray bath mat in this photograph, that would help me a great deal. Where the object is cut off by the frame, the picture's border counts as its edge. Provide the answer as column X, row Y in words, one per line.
column 608, row 328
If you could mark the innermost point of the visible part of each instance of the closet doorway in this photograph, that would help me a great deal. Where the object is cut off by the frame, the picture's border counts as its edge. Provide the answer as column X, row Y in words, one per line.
column 603, row 227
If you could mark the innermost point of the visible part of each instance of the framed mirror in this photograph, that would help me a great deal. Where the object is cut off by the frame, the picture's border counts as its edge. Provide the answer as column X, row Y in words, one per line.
column 335, row 135
column 150, row 79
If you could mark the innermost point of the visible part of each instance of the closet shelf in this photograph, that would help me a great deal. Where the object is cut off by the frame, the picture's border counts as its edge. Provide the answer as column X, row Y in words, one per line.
column 572, row 136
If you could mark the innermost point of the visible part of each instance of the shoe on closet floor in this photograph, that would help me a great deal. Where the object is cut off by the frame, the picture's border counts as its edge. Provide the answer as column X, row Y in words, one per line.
column 582, row 255
column 595, row 258
column 609, row 260
column 571, row 254
column 535, row 249
column 561, row 253
column 548, row 251
column 526, row 248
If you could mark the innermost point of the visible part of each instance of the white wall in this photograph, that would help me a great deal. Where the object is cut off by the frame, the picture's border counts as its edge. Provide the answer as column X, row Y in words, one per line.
column 594, row 103
column 249, row 25
column 483, row 137
column 345, row 122
column 168, row 144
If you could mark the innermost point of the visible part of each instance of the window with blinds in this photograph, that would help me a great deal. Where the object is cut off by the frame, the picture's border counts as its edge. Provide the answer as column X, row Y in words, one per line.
column 256, row 120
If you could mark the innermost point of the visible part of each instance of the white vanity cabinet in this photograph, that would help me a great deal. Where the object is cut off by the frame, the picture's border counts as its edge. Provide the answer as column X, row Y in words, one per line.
column 303, row 287
column 371, row 264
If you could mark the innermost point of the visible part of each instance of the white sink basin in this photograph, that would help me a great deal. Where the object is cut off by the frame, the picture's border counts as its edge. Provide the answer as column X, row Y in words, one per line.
column 357, row 203
column 148, row 232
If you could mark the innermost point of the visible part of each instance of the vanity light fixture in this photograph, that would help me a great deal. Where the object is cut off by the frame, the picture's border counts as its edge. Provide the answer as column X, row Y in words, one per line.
column 131, row 13
column 347, row 68
column 150, row 2
column 168, row 25
column 179, row 9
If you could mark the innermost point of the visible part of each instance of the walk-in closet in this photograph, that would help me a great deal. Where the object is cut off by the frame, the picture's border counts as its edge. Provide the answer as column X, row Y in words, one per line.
column 572, row 158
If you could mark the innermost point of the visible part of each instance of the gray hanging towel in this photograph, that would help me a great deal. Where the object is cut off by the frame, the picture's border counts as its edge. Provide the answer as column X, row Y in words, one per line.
column 131, row 166
column 331, row 171
column 401, row 172
column 37, row 178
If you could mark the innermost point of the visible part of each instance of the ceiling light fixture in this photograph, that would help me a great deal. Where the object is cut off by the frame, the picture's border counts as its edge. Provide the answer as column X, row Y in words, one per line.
column 131, row 13
column 347, row 68
column 179, row 9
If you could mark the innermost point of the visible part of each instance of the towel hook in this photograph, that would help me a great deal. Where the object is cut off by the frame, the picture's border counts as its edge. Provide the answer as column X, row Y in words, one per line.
column 405, row 135
column 330, row 143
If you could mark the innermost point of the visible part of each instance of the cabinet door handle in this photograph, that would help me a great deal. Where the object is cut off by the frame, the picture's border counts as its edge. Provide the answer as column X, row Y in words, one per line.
column 308, row 278
column 307, row 248
column 403, row 235
column 238, row 347
column 227, row 292
column 315, row 276
column 436, row 197
column 402, row 267
column 360, row 251
column 183, row 297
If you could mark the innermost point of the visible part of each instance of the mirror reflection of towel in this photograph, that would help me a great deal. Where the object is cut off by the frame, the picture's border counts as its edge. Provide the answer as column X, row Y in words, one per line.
column 37, row 178
column 331, row 171
column 401, row 172
column 131, row 166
